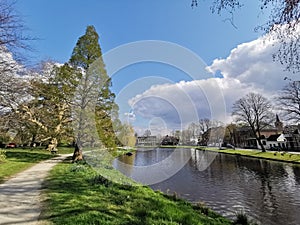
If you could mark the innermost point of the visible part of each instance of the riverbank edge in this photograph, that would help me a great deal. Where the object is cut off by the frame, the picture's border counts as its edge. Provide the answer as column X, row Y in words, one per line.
column 256, row 154
column 294, row 158
column 51, row 210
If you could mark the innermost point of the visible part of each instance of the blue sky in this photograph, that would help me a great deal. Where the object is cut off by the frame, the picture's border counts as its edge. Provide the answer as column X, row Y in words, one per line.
column 59, row 23
column 237, row 54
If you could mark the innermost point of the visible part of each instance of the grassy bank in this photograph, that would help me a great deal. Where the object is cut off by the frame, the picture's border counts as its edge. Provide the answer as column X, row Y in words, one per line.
column 278, row 156
column 77, row 194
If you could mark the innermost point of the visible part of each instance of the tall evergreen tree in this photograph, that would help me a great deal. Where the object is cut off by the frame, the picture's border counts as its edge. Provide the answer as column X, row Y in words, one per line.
column 87, row 50
column 94, row 101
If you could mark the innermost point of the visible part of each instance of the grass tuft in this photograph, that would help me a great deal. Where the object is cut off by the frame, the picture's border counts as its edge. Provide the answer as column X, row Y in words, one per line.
column 242, row 219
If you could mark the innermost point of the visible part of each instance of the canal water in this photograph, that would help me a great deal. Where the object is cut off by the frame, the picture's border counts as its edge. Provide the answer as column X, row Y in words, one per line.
column 267, row 191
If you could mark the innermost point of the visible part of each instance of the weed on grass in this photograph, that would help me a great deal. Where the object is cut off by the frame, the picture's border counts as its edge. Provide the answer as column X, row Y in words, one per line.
column 242, row 219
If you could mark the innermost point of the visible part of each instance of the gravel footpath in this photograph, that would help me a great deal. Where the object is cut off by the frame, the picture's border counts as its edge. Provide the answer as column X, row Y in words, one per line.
column 20, row 195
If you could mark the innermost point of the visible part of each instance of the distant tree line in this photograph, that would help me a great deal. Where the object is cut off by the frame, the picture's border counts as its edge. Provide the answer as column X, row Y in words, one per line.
column 253, row 111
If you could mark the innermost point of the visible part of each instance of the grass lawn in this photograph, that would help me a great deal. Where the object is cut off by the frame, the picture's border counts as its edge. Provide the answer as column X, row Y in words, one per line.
column 18, row 159
column 77, row 194
column 278, row 156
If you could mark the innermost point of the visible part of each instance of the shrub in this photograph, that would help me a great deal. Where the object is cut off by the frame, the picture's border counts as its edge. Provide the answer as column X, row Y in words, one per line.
column 242, row 219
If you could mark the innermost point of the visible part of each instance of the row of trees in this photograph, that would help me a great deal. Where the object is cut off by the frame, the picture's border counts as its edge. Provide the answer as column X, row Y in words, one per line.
column 253, row 111
column 201, row 132
column 56, row 101
column 71, row 102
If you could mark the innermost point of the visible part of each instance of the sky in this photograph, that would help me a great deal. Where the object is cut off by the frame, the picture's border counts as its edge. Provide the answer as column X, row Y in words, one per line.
column 170, row 64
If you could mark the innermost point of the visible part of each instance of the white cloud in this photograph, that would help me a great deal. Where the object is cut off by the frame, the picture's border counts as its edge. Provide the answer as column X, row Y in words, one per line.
column 180, row 103
column 252, row 63
column 248, row 68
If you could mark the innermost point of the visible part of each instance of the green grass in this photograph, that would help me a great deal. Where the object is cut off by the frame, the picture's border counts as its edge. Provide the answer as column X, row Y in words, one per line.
column 176, row 146
column 65, row 150
column 278, row 156
column 77, row 194
column 18, row 160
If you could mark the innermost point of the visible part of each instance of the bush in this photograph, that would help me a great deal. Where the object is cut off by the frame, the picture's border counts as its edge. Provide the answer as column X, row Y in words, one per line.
column 2, row 155
column 242, row 219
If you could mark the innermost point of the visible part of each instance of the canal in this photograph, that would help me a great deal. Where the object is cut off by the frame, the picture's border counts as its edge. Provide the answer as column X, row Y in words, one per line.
column 267, row 191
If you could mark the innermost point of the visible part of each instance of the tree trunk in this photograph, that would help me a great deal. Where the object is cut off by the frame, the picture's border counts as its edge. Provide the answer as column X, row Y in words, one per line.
column 52, row 147
column 33, row 140
column 77, row 155
column 261, row 145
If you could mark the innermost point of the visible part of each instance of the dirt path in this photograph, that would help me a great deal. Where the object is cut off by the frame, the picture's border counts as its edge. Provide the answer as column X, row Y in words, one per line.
column 20, row 196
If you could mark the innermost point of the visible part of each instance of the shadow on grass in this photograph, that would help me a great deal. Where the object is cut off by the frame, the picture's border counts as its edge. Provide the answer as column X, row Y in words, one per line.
column 25, row 156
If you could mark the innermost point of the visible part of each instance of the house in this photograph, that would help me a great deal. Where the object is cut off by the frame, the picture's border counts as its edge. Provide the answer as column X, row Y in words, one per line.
column 147, row 141
column 273, row 137
column 292, row 134
column 170, row 140
column 276, row 141
column 246, row 138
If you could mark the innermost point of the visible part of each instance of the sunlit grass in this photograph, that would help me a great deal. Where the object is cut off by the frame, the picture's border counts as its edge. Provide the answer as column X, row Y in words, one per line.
column 77, row 194
column 65, row 150
column 18, row 160
column 279, row 156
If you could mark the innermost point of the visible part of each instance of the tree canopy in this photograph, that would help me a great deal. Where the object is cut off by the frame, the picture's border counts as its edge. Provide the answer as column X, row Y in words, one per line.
column 94, row 101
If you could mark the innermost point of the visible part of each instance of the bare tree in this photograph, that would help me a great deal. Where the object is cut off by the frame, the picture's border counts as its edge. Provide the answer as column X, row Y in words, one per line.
column 212, row 131
column 12, row 91
column 12, row 28
column 194, row 130
column 12, row 39
column 256, row 111
column 283, row 24
column 289, row 101
column 204, row 125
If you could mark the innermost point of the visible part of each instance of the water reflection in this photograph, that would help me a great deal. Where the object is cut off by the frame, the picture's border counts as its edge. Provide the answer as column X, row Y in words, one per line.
column 153, row 166
column 268, row 191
